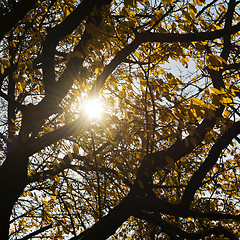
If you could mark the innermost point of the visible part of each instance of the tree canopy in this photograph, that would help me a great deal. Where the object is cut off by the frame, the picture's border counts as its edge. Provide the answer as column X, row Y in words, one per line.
column 161, row 161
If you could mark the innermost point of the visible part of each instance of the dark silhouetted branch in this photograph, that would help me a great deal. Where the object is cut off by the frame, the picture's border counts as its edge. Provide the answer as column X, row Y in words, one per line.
column 197, row 178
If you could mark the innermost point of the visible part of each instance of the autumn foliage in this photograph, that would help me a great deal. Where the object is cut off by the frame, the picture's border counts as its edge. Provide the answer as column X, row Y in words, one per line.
column 162, row 161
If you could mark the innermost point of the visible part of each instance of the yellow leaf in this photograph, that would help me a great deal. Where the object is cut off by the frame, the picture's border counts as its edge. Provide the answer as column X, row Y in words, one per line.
column 198, row 101
column 23, row 83
column 159, row 13
column 197, row 2
column 70, row 155
column 20, row 88
column 225, row 100
column 170, row 1
column 187, row 16
column 174, row 180
column 216, row 91
column 192, row 8
column 96, row 71
column 165, row 2
column 214, row 61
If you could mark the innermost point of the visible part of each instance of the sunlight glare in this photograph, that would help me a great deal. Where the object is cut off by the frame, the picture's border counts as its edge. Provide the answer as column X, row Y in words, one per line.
column 93, row 108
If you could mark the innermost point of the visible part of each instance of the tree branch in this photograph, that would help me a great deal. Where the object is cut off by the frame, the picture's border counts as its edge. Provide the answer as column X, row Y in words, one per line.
column 43, row 229
column 108, row 224
column 12, row 101
column 19, row 11
column 162, row 206
column 197, row 178
column 205, row 7
column 66, row 163
column 131, row 206
column 60, row 31
column 121, row 56
column 228, row 23
column 59, row 89
column 172, row 229
column 160, row 38
column 233, row 66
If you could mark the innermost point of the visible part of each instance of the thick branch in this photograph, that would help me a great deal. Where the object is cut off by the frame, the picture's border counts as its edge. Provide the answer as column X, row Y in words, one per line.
column 161, row 206
column 188, row 37
column 120, row 57
column 69, row 129
column 56, row 91
column 60, row 31
column 108, row 225
column 131, row 207
column 19, row 11
column 154, row 161
column 174, row 230
column 228, row 23
column 161, row 38
column 197, row 178
column 233, row 66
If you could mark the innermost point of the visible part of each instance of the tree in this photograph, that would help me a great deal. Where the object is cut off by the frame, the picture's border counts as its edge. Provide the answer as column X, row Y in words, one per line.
column 162, row 162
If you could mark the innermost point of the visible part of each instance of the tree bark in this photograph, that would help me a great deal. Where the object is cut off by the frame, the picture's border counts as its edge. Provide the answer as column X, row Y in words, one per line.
column 13, row 179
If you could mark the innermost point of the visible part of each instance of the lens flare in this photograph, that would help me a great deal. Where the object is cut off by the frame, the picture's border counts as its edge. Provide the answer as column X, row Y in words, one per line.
column 93, row 109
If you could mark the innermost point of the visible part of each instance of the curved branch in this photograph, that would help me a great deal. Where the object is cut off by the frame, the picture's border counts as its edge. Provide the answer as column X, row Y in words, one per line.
column 174, row 230
column 108, row 224
column 160, row 38
column 60, row 31
column 197, row 178
column 167, row 157
column 120, row 57
column 157, row 206
column 131, row 206
column 57, row 90
column 205, row 7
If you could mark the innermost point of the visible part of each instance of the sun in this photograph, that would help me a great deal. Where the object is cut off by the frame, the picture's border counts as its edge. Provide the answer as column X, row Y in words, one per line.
column 93, row 108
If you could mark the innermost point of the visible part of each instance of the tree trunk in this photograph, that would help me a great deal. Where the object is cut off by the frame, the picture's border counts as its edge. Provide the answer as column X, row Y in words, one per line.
column 13, row 179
